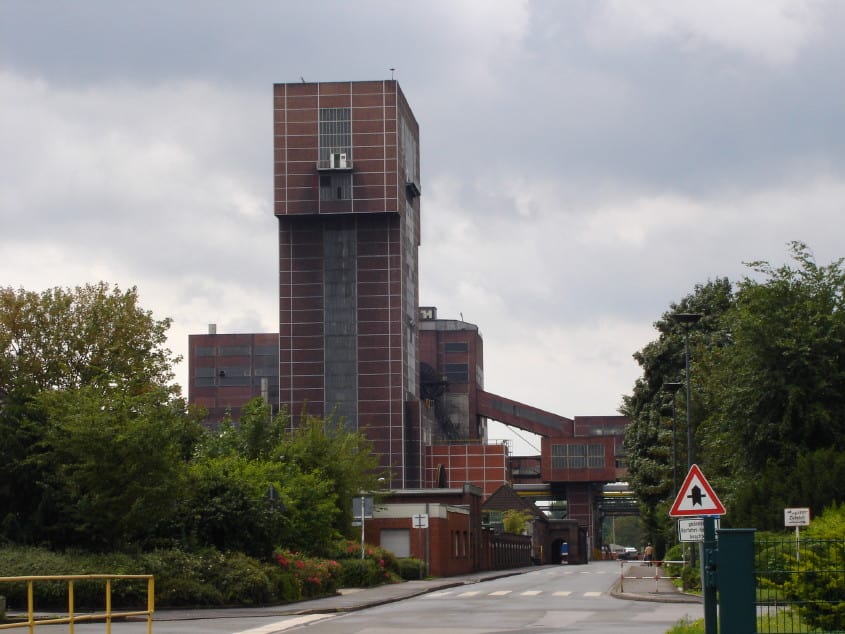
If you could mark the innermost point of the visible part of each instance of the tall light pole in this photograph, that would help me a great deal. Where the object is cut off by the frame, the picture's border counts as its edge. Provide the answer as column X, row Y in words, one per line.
column 673, row 388
column 687, row 321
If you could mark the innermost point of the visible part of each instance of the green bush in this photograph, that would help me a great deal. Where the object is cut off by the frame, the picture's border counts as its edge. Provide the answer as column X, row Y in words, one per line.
column 185, row 591
column 358, row 573
column 285, row 585
column 204, row 578
column 690, row 575
column 411, row 569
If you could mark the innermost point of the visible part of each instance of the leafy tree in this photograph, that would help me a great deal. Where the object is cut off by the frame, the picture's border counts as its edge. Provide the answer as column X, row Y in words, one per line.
column 112, row 465
column 91, row 335
column 316, row 469
column 778, row 391
column 345, row 459
column 648, row 440
column 768, row 385
column 515, row 521
column 61, row 349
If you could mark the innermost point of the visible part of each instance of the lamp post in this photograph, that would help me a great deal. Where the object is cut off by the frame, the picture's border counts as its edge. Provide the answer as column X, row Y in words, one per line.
column 687, row 321
column 673, row 388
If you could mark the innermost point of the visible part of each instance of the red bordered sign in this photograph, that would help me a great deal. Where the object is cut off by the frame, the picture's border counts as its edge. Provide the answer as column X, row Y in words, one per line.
column 696, row 497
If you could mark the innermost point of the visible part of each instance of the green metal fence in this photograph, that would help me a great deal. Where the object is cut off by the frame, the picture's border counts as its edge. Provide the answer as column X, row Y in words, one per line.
column 800, row 585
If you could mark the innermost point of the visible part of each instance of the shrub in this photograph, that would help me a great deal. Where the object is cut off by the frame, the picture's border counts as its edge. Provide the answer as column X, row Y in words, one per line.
column 411, row 569
column 358, row 573
column 316, row 577
column 690, row 576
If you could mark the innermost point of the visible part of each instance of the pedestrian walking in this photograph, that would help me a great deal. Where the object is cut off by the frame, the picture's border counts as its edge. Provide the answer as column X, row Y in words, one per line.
column 648, row 555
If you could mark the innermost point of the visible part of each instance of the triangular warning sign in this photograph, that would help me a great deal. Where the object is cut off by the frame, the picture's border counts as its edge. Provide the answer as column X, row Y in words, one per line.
column 696, row 497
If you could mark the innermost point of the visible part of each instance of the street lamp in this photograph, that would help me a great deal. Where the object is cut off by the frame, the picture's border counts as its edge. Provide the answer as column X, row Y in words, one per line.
column 687, row 321
column 673, row 388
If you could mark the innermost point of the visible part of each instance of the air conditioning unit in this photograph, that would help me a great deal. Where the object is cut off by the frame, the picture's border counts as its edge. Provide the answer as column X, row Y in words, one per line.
column 337, row 160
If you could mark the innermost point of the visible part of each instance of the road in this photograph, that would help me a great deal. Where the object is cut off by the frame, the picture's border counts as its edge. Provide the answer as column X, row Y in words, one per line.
column 547, row 600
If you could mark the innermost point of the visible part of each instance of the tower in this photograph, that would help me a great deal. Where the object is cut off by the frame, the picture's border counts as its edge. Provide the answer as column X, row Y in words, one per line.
column 346, row 172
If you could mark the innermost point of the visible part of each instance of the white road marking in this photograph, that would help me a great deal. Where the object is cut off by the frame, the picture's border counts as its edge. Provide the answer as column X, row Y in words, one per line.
column 286, row 625
column 500, row 593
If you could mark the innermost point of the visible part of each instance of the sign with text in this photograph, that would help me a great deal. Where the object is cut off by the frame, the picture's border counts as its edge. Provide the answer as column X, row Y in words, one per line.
column 796, row 517
column 692, row 530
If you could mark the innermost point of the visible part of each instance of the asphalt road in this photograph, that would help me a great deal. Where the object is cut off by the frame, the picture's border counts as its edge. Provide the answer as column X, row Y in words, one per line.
column 545, row 599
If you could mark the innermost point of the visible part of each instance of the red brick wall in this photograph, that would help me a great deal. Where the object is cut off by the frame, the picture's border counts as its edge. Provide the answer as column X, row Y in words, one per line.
column 485, row 466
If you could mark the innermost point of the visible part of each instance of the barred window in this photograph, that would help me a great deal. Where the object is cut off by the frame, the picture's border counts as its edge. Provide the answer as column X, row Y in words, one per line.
column 578, row 456
column 335, row 132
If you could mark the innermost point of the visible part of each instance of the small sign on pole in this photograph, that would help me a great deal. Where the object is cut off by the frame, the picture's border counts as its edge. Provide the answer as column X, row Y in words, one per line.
column 692, row 529
column 420, row 520
column 796, row 517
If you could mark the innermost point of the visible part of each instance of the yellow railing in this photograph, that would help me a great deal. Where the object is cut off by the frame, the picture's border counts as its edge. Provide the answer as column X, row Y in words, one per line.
column 72, row 617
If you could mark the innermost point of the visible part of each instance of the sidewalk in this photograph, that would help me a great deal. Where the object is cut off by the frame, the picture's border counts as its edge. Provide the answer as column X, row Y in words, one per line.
column 639, row 582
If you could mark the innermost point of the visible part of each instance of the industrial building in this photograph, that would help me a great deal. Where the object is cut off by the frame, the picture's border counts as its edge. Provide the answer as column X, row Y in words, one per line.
column 354, row 342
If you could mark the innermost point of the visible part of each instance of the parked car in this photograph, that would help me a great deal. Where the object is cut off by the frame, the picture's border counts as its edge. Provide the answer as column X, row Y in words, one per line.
column 627, row 552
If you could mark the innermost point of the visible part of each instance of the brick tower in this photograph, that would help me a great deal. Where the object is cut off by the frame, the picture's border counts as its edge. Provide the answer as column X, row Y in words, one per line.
column 347, row 186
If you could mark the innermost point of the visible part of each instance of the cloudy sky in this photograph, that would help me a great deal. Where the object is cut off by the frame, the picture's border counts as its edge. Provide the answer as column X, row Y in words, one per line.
column 584, row 163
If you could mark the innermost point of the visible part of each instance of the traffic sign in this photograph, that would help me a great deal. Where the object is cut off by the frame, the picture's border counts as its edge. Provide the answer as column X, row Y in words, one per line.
column 696, row 497
column 691, row 529
column 796, row 517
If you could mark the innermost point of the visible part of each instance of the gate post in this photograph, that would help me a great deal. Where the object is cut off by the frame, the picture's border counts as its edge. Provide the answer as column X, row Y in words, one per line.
column 737, row 588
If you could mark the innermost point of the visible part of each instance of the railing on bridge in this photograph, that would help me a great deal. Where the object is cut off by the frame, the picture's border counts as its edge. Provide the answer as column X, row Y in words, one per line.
column 30, row 619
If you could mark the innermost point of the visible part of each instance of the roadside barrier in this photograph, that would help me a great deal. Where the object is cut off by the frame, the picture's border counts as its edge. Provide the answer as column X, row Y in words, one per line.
column 657, row 564
column 72, row 616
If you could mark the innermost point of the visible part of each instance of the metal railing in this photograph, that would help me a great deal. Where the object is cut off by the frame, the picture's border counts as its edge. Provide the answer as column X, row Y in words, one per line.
column 800, row 585
column 658, row 571
column 32, row 621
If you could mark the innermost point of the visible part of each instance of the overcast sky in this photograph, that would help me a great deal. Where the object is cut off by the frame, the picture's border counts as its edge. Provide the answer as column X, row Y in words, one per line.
column 584, row 163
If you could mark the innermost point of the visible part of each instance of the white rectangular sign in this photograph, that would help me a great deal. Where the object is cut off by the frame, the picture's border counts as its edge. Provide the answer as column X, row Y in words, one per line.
column 420, row 520
column 796, row 517
column 692, row 530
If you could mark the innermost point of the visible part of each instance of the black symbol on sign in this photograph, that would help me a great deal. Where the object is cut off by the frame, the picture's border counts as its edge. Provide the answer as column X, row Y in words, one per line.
column 696, row 496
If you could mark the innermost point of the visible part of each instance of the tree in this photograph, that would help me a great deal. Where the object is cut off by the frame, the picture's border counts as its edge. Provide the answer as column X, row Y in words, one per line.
column 648, row 439
column 63, row 349
column 112, row 465
column 343, row 458
column 515, row 521
column 768, row 385
column 91, row 335
column 316, row 468
column 778, row 391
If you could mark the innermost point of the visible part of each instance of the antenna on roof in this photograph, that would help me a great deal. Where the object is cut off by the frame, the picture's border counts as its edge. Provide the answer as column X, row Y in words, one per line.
column 302, row 78
column 391, row 73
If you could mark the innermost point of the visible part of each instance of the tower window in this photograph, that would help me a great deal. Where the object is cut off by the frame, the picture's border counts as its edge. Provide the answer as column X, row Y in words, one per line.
column 335, row 133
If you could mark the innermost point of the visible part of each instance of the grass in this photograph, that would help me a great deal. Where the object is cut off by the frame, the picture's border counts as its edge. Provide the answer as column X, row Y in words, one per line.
column 783, row 622
column 686, row 626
